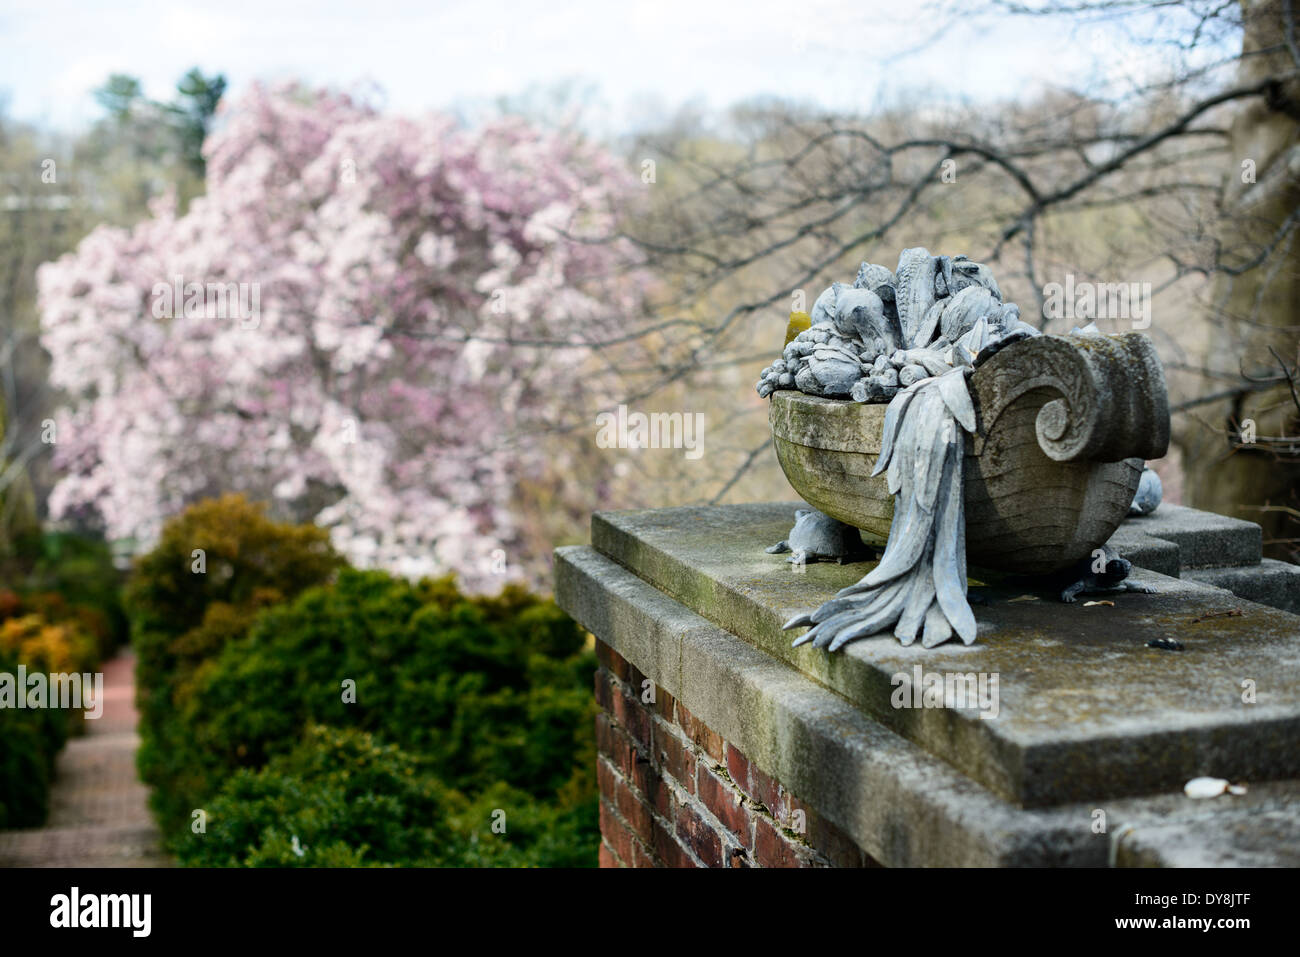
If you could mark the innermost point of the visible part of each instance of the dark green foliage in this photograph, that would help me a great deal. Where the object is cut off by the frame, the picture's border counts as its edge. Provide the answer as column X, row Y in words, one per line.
column 62, row 612
column 347, row 799
column 462, row 683
column 181, row 617
column 377, row 720
column 192, row 114
column 458, row 681
column 187, row 118
column 46, row 635
column 80, row 569
column 30, row 740
column 350, row 801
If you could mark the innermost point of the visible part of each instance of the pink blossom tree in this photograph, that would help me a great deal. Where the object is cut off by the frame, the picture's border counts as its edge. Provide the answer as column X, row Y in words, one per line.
column 421, row 310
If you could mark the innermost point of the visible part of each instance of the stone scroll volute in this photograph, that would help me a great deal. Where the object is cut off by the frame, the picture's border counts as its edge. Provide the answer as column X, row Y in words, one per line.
column 1103, row 397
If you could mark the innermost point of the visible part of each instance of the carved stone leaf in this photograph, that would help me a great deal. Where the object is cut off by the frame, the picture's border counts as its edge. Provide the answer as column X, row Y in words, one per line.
column 893, row 418
column 930, row 324
column 920, row 598
column 967, row 306
column 914, row 289
column 933, row 435
column 956, row 396
column 950, row 551
column 937, row 627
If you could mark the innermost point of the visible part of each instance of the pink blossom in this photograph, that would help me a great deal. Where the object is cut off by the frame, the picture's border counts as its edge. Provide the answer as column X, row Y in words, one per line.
column 377, row 243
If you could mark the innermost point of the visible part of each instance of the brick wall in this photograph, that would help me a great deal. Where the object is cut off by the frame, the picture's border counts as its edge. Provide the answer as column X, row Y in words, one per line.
column 675, row 794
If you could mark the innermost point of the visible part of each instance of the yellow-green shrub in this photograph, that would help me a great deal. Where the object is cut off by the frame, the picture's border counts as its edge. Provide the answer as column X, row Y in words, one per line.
column 30, row 738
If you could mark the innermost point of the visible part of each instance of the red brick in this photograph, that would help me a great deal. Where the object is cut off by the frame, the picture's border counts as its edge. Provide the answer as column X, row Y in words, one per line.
column 605, row 690
column 631, row 809
column 633, row 764
column 668, row 849
column 674, row 757
column 772, row 848
column 639, row 686
column 612, row 741
column 724, row 801
column 660, row 796
column 635, row 804
column 631, row 715
column 664, row 704
column 605, row 776
column 641, row 857
column 703, row 737
column 793, row 804
column 737, row 767
column 696, row 834
column 612, row 660
column 646, row 781
column 607, row 858
column 641, row 683
column 636, row 825
column 604, row 742
column 769, row 792
column 612, row 829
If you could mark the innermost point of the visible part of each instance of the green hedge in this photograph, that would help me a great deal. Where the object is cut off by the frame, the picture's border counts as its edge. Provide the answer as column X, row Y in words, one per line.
column 460, row 711
column 79, row 570
column 184, row 607
column 30, row 740
column 342, row 799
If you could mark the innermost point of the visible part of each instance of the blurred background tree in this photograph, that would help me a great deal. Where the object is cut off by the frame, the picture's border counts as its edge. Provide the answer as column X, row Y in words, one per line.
column 1181, row 170
column 147, row 147
column 1178, row 167
column 135, row 154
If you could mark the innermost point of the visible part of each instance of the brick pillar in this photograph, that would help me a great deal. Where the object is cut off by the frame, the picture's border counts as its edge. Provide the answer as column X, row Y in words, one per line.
column 673, row 793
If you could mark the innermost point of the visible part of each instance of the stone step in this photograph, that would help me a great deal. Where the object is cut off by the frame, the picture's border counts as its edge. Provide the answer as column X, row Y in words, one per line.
column 1086, row 709
column 1271, row 582
column 100, row 846
column 1202, row 539
column 1210, row 549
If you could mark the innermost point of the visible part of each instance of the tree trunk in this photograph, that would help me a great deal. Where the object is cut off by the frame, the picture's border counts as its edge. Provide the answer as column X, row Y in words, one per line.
column 1259, row 308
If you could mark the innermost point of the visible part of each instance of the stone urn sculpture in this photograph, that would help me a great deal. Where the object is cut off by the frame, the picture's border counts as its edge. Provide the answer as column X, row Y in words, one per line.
column 918, row 407
column 1063, row 426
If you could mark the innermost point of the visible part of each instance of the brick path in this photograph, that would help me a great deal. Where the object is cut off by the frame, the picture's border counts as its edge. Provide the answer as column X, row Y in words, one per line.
column 99, row 815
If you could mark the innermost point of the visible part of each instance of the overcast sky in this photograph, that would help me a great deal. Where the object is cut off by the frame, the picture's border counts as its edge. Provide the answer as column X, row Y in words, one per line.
column 644, row 57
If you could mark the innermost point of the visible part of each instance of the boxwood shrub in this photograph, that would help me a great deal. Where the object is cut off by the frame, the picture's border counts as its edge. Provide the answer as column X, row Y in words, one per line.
column 49, row 624
column 215, row 566
column 30, row 738
column 376, row 720
column 339, row 798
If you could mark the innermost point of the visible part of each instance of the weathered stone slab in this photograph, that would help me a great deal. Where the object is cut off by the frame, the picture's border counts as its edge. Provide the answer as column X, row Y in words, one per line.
column 1270, row 582
column 1204, row 539
column 1086, row 710
column 1210, row 549
column 1260, row 830
column 902, row 805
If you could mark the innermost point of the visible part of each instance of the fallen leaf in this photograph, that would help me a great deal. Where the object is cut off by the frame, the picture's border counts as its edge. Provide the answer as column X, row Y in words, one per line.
column 1230, row 613
column 1089, row 604
column 1024, row 598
